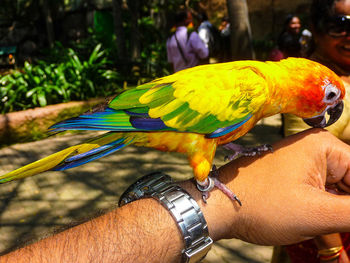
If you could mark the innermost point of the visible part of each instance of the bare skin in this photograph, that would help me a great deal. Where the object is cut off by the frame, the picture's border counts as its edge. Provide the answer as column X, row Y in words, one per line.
column 281, row 204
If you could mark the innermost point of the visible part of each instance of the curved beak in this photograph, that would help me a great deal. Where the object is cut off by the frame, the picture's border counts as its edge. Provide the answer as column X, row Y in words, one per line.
column 320, row 120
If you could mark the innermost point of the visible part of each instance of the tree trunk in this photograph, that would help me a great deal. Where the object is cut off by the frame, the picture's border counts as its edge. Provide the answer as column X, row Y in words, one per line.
column 160, row 17
column 118, row 29
column 48, row 22
column 135, row 48
column 241, row 36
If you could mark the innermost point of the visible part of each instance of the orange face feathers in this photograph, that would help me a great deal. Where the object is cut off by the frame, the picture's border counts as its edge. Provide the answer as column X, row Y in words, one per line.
column 317, row 91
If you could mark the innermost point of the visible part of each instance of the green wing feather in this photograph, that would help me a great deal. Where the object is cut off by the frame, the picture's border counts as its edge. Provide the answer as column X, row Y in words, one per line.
column 200, row 99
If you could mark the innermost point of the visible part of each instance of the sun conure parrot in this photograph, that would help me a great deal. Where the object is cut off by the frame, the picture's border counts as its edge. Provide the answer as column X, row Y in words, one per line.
column 196, row 109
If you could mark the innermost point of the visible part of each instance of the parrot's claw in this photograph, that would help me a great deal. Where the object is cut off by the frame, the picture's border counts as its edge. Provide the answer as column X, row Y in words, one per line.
column 245, row 151
column 226, row 191
column 206, row 186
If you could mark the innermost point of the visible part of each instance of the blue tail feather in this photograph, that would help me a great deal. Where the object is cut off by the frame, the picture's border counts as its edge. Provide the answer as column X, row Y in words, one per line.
column 91, row 155
column 94, row 151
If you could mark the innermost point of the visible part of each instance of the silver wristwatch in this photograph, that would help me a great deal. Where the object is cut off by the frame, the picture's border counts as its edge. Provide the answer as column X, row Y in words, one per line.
column 183, row 208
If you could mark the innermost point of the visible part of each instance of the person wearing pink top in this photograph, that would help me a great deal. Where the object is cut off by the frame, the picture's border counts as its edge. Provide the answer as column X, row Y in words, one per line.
column 185, row 49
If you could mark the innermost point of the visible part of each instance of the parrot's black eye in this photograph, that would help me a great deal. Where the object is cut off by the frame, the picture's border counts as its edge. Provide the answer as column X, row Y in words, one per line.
column 331, row 95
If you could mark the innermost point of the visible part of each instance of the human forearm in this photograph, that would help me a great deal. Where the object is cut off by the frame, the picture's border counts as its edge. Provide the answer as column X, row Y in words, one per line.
column 142, row 231
column 137, row 232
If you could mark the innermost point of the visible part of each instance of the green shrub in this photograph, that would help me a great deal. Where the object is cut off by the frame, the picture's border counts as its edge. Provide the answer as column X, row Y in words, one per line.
column 49, row 83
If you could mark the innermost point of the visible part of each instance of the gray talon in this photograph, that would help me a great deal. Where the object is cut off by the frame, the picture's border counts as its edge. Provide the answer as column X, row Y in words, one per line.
column 240, row 150
column 206, row 186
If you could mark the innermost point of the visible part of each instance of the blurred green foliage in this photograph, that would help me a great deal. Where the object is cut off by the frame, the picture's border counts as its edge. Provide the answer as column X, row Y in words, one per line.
column 69, row 79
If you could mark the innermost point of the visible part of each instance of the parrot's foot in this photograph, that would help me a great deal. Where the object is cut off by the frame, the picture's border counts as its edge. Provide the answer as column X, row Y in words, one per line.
column 206, row 186
column 245, row 151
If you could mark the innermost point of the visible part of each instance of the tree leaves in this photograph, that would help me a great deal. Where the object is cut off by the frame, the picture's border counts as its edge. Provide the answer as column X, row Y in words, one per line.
column 49, row 83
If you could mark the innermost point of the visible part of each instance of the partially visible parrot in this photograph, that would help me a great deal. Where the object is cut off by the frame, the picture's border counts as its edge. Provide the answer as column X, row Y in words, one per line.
column 196, row 109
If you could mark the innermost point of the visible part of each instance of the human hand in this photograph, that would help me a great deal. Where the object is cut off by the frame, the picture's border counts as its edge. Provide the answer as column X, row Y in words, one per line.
column 283, row 193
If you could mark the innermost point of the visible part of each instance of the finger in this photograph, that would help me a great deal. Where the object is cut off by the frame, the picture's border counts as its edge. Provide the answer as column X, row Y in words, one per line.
column 338, row 164
column 342, row 188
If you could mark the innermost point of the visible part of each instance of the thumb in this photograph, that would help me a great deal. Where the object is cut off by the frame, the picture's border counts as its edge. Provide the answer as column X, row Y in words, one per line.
column 325, row 213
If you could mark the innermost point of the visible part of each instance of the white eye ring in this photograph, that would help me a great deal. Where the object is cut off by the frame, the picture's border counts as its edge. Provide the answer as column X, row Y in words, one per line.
column 332, row 93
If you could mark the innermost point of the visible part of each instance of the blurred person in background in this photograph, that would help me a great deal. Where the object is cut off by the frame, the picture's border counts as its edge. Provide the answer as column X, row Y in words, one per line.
column 288, row 40
column 212, row 38
column 225, row 31
column 292, row 41
column 185, row 49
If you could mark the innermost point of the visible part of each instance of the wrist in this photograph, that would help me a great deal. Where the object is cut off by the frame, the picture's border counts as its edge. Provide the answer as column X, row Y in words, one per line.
column 219, row 212
column 184, row 210
column 329, row 254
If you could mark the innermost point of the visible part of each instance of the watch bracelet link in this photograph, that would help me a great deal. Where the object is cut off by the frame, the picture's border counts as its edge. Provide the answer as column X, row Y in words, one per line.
column 183, row 208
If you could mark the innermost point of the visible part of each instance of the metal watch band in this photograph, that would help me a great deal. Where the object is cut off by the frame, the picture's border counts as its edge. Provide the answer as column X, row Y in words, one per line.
column 183, row 208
